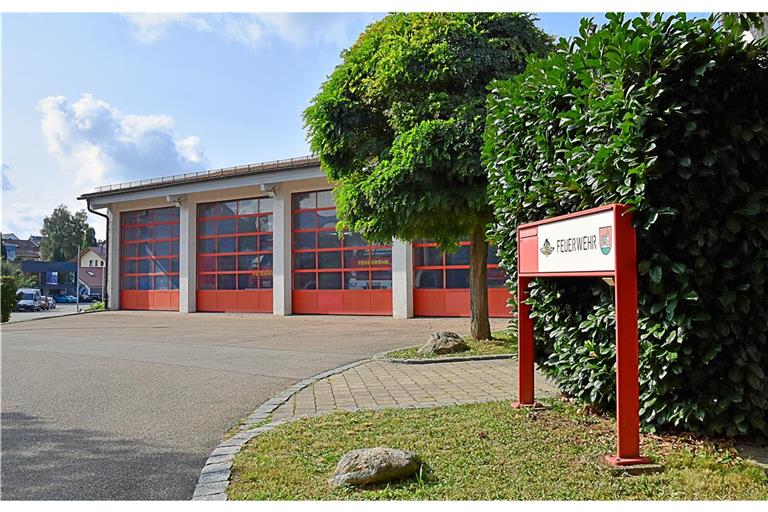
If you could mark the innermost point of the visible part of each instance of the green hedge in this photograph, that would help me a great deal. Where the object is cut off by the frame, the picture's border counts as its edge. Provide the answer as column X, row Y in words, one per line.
column 669, row 116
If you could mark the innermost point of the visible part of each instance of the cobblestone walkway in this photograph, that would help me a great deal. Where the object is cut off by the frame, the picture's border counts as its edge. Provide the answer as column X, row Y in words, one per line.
column 378, row 384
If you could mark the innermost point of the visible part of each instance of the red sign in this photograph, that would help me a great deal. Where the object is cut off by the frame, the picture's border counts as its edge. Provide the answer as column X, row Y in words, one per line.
column 599, row 242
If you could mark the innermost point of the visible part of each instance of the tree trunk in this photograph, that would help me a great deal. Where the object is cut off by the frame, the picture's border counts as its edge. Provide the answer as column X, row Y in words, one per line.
column 480, row 326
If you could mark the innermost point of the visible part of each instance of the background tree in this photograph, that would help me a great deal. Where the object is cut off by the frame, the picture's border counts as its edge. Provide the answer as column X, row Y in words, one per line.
column 398, row 128
column 65, row 234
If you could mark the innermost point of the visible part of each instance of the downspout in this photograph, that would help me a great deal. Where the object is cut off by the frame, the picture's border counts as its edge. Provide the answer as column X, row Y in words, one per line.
column 106, row 254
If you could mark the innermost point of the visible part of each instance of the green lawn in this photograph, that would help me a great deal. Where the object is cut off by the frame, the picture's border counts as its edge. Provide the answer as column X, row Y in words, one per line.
column 503, row 342
column 484, row 451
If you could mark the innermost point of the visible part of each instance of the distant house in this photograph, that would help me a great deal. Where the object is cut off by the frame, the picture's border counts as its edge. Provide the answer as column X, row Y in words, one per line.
column 91, row 272
column 93, row 257
column 17, row 249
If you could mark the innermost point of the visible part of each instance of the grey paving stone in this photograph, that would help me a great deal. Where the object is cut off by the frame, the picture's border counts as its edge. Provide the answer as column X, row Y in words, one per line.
column 211, row 488
column 217, row 476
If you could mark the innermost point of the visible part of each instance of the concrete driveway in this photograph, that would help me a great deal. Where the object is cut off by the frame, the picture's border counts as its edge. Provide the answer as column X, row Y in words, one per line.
column 128, row 405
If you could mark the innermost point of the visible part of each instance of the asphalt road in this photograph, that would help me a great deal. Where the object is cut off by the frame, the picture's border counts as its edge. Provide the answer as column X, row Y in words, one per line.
column 61, row 309
column 128, row 405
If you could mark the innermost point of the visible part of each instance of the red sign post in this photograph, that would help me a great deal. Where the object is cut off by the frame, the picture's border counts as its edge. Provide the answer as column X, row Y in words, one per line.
column 599, row 242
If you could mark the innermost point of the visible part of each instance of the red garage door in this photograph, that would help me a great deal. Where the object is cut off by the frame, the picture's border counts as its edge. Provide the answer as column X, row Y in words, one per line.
column 333, row 276
column 149, row 264
column 441, row 282
column 234, row 256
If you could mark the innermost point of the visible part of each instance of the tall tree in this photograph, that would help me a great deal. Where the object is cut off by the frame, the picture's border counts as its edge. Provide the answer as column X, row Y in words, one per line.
column 65, row 234
column 398, row 128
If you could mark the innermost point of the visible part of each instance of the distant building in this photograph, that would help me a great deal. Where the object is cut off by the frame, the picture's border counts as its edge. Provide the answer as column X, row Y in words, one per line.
column 93, row 257
column 91, row 272
column 21, row 250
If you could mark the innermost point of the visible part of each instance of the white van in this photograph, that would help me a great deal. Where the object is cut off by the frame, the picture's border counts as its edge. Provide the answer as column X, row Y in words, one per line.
column 30, row 299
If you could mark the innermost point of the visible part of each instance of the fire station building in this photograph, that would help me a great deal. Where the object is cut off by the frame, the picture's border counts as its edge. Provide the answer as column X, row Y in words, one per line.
column 262, row 238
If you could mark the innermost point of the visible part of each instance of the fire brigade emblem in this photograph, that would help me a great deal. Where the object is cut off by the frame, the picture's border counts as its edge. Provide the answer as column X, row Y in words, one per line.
column 605, row 240
column 547, row 248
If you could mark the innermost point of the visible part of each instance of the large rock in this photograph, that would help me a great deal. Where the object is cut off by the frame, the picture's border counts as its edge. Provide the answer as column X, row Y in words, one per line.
column 370, row 465
column 443, row 342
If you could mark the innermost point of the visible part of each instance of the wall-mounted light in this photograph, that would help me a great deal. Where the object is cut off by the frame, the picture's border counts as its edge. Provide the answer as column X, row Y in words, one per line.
column 177, row 200
column 269, row 188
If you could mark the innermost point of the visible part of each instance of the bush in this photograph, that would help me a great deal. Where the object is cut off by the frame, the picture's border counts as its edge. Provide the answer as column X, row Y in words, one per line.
column 95, row 306
column 669, row 116
column 9, row 287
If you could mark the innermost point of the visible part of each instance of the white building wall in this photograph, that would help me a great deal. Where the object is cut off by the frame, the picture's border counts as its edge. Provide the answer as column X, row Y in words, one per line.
column 113, row 256
column 188, row 256
column 402, row 279
column 281, row 251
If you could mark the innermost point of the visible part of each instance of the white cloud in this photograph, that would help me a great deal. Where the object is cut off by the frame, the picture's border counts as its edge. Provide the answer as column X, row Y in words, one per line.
column 97, row 143
column 299, row 29
column 151, row 27
column 7, row 185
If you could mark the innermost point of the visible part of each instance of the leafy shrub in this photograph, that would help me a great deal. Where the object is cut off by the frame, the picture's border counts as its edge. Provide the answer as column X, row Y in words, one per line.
column 669, row 116
column 9, row 287
column 95, row 306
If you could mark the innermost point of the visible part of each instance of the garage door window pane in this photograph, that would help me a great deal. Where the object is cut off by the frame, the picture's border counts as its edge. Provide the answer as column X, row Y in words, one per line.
column 130, row 234
column 129, row 282
column 206, row 245
column 226, row 226
column 228, row 209
column 304, row 220
column 265, row 261
column 304, row 240
column 381, row 279
column 457, row 278
column 129, row 250
column 144, row 266
column 265, row 205
column 225, row 263
column 247, row 243
column 429, row 279
column 356, row 258
column 265, row 282
column 304, row 260
column 162, row 283
column 206, row 210
column 354, row 240
column 162, row 249
column 303, row 201
column 460, row 257
column 357, row 280
column 226, row 282
column 427, row 257
column 146, row 233
column 247, row 262
column 144, row 283
column 206, row 282
column 329, row 280
column 265, row 242
column 304, row 281
column 326, row 219
column 226, row 244
column 206, row 263
column 129, row 267
column 206, row 227
column 329, row 259
column 328, row 239
column 248, row 206
column 265, row 223
column 247, row 224
column 247, row 282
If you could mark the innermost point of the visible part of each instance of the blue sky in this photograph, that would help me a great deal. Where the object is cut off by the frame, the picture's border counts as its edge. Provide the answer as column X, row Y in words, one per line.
column 91, row 99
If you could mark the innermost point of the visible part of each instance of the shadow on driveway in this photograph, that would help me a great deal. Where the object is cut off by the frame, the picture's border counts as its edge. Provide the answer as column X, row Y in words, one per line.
column 40, row 462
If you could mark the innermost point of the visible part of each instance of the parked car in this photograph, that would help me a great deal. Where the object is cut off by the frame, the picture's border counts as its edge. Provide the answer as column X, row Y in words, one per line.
column 85, row 298
column 30, row 299
column 51, row 302
column 65, row 298
column 95, row 297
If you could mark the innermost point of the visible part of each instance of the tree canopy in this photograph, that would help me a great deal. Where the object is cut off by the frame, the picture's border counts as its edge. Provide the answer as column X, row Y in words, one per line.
column 398, row 125
column 65, row 234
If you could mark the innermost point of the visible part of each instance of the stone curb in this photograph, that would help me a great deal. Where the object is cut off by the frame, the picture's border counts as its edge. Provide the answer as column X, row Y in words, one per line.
column 214, row 477
column 445, row 359
column 12, row 322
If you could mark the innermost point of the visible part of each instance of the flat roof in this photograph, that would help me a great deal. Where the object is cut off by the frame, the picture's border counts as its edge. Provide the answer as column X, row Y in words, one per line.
column 211, row 175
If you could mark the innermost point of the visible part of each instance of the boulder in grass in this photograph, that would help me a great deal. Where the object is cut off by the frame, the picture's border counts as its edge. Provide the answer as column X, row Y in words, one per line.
column 443, row 342
column 372, row 465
